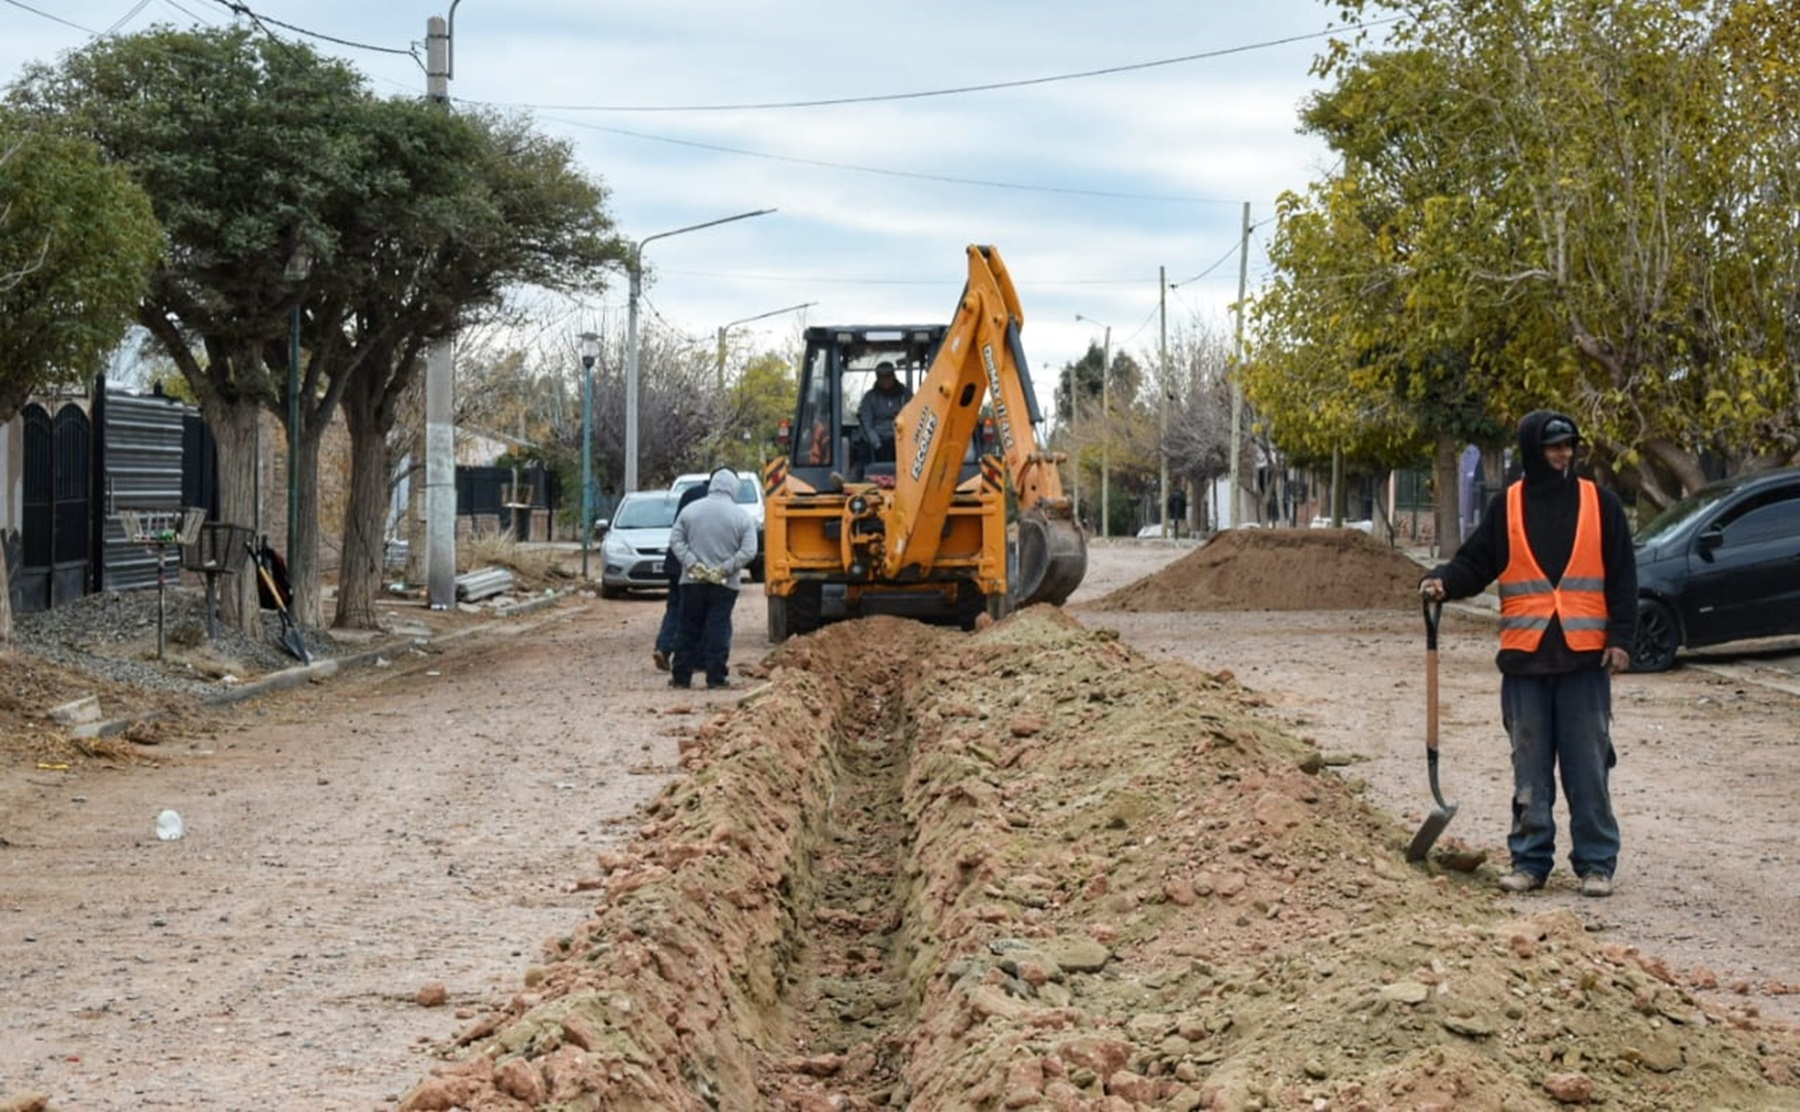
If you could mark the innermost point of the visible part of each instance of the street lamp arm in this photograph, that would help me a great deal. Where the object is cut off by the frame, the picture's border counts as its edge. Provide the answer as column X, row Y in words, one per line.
column 631, row 333
column 770, row 313
column 637, row 251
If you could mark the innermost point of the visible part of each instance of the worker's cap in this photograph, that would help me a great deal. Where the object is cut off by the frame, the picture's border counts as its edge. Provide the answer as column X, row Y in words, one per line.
column 884, row 368
column 1560, row 430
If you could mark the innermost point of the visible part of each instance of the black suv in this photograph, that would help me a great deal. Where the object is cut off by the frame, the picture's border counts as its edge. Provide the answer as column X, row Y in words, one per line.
column 1722, row 564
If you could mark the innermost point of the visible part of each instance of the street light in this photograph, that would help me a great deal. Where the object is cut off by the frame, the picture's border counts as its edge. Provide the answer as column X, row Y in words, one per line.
column 299, row 267
column 727, row 326
column 1105, row 423
column 590, row 350
column 636, row 267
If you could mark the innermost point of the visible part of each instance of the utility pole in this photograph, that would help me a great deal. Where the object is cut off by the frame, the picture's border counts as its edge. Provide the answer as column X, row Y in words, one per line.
column 1075, row 437
column 636, row 290
column 1237, row 370
column 1105, row 423
column 729, row 325
column 1162, row 386
column 440, row 426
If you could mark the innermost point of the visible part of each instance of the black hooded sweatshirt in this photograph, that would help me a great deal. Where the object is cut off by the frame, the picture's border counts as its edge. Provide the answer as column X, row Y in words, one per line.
column 1552, row 505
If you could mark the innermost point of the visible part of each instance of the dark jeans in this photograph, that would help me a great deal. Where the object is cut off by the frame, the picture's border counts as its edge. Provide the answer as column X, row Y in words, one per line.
column 1561, row 723
column 704, row 644
column 670, row 629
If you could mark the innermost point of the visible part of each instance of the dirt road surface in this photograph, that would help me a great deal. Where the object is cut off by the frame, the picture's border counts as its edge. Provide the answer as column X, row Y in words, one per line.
column 373, row 862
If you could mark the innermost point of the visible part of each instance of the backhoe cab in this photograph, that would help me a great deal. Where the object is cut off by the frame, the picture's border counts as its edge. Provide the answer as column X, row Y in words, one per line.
column 945, row 510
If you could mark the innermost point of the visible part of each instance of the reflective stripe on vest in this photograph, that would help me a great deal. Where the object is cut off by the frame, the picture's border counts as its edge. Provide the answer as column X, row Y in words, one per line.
column 1528, row 600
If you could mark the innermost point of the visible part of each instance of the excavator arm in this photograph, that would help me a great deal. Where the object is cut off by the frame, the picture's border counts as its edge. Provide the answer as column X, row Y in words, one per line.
column 981, row 359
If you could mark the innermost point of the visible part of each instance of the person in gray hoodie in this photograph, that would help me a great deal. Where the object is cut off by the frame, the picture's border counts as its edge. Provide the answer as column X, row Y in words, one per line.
column 714, row 540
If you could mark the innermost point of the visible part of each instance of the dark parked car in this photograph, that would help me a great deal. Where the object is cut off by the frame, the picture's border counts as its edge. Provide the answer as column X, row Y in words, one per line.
column 1722, row 564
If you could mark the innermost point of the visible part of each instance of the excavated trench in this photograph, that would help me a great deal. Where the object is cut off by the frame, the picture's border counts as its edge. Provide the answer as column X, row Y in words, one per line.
column 1030, row 869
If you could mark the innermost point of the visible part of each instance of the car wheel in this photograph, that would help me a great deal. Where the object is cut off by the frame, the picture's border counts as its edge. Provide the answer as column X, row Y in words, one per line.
column 1658, row 636
column 611, row 592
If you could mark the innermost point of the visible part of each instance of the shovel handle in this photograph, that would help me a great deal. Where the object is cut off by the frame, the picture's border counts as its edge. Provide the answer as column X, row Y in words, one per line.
column 1434, row 612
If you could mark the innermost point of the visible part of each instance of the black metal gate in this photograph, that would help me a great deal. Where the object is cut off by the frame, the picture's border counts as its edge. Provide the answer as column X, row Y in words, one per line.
column 55, row 530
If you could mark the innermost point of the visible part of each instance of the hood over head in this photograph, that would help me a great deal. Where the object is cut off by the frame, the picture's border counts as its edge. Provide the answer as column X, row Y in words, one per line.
column 1537, row 429
column 724, row 481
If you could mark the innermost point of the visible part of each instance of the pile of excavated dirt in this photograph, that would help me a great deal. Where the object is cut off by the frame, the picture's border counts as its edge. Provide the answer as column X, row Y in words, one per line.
column 1030, row 869
column 1277, row 569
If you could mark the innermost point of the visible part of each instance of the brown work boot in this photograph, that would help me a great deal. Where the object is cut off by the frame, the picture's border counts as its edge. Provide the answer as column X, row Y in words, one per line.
column 660, row 659
column 1521, row 881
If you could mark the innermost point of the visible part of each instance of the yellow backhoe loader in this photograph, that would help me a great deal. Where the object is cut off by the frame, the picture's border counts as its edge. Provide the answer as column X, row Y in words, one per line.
column 948, row 509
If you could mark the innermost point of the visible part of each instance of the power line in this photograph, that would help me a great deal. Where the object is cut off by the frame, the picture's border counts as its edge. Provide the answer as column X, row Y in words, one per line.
column 886, row 171
column 986, row 87
column 266, row 22
column 52, row 18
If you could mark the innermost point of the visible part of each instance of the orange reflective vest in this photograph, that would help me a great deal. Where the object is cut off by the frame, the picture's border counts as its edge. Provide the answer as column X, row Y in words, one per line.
column 1528, row 600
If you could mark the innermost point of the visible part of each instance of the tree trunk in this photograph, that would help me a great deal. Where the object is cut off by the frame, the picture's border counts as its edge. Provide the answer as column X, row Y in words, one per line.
column 365, row 512
column 1446, row 476
column 234, row 427
column 303, row 546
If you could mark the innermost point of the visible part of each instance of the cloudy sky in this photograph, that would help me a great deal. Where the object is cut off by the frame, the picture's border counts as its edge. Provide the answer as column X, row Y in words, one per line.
column 1092, row 143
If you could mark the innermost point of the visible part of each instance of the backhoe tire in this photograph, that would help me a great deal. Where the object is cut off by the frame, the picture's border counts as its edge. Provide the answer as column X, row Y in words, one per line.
column 794, row 614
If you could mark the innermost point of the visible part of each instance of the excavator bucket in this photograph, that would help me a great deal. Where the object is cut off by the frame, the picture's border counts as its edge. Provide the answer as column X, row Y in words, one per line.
column 1052, row 559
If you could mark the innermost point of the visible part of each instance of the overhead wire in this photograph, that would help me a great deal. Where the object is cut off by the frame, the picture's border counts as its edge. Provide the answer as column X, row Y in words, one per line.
column 265, row 22
column 984, row 87
column 882, row 171
column 52, row 18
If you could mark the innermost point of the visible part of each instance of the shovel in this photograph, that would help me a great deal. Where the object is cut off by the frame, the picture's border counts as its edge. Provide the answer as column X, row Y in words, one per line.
column 290, row 632
column 1436, row 821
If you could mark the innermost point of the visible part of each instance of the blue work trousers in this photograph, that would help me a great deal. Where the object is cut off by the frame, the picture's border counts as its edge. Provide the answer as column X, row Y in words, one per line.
column 670, row 630
column 1561, row 723
column 705, row 641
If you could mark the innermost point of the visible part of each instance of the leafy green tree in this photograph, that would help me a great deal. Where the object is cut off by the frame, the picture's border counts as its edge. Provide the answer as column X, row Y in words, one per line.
column 762, row 397
column 242, row 143
column 1552, row 203
column 77, row 243
column 257, row 153
column 453, row 210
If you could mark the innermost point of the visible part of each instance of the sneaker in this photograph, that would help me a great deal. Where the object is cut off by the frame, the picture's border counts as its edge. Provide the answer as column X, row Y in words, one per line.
column 1596, row 884
column 1521, row 881
column 660, row 659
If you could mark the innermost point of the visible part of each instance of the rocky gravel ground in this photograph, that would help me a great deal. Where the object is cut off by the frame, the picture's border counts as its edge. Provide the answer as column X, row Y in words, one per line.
column 113, row 636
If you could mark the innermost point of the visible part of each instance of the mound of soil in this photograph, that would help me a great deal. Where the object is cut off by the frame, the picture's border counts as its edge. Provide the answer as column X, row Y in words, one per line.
column 1277, row 569
column 1030, row 869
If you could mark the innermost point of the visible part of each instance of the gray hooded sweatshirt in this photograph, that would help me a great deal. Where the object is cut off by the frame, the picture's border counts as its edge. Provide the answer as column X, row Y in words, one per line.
column 715, row 532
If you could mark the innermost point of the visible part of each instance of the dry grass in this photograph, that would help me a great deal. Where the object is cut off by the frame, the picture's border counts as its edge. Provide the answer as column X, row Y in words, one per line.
column 532, row 564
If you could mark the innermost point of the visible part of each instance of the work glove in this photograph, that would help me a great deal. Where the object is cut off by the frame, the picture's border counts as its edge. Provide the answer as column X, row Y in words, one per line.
column 701, row 573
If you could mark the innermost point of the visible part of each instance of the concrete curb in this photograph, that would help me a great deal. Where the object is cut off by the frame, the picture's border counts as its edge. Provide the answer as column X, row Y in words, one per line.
column 321, row 670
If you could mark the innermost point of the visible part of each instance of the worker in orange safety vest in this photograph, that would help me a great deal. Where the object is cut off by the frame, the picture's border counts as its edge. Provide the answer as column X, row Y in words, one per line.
column 1560, row 548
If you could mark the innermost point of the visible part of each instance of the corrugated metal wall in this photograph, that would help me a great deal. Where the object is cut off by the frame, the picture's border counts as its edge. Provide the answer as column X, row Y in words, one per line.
column 142, row 438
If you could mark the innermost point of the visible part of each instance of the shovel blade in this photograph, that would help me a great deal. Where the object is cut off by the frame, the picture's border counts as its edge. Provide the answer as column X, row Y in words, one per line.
column 1428, row 832
column 296, row 646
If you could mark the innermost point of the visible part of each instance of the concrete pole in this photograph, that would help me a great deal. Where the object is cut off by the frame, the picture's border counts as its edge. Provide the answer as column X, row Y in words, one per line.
column 1162, row 407
column 631, row 366
column 636, row 266
column 1237, row 384
column 440, row 428
column 1106, row 434
column 1075, row 437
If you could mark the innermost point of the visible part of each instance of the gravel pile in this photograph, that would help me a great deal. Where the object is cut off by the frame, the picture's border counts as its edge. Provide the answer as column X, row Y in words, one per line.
column 112, row 635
